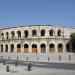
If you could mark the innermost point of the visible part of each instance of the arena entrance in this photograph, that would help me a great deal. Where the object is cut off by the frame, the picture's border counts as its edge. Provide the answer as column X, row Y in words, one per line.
column 1, row 48
column 60, row 48
column 18, row 48
column 12, row 47
column 51, row 48
column 34, row 48
column 26, row 48
column 6, row 48
column 43, row 48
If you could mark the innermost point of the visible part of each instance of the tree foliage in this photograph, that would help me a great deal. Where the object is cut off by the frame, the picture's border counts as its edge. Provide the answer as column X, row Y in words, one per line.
column 72, row 42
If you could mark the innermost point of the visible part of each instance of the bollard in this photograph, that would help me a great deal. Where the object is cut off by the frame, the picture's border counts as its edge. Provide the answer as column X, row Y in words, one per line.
column 29, row 66
column 59, row 57
column 16, row 63
column 48, row 58
column 4, row 62
column 69, row 57
column 27, row 58
column 17, row 58
column 7, row 68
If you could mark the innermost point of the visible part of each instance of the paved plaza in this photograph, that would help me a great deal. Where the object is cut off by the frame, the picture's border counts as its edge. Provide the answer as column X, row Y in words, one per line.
column 23, row 70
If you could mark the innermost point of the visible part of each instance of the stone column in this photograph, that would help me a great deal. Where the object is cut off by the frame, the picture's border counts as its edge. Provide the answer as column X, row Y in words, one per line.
column 22, row 48
column 22, row 33
column 47, row 49
column 64, row 48
column 56, row 48
column 29, row 33
column 9, row 48
column 3, row 47
column 38, row 48
column 30, row 48
column 16, row 35
column 15, row 47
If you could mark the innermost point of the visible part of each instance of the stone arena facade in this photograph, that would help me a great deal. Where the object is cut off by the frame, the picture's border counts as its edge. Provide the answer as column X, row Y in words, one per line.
column 35, row 39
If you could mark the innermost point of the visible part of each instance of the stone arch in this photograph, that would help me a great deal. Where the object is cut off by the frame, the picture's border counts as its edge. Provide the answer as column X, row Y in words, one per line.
column 34, row 48
column 6, row 48
column 12, row 34
column 26, row 48
column 43, row 32
column 43, row 48
column 51, row 47
column 18, row 47
column 59, row 32
column 19, row 34
column 26, row 33
column 34, row 32
column 51, row 32
column 1, row 48
column 12, row 48
column 7, row 35
column 60, row 47
column 2, row 35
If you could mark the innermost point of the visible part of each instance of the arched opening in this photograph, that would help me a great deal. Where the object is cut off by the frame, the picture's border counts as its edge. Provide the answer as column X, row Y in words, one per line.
column 26, row 33
column 34, row 33
column 1, row 48
column 26, row 48
column 19, row 34
column 59, row 33
column 51, row 32
column 60, row 48
column 34, row 48
column 2, row 35
column 51, row 48
column 67, row 48
column 43, row 48
column 12, row 34
column 18, row 48
column 7, row 35
column 6, row 48
column 42, row 32
column 12, row 47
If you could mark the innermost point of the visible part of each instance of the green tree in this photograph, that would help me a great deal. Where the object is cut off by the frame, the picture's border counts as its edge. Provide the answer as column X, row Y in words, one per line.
column 72, row 42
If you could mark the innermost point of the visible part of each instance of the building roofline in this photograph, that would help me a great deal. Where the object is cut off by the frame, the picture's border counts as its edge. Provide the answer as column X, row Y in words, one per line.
column 34, row 25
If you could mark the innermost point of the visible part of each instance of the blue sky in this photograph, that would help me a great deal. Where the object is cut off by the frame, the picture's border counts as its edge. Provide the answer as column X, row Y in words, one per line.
column 26, row 12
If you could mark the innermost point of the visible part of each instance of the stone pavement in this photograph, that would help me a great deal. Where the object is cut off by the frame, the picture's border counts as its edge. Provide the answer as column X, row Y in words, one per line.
column 22, row 70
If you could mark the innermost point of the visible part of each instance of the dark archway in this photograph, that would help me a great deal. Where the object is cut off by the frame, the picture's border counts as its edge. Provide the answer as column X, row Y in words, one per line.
column 26, row 33
column 12, row 48
column 42, row 32
column 51, row 32
column 51, row 48
column 7, row 35
column 59, row 32
column 19, row 34
column 12, row 34
column 18, row 48
column 34, row 32
column 43, row 48
column 60, row 48
column 2, row 35
column 6, row 48
column 1, row 48
column 26, row 47
column 34, row 48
